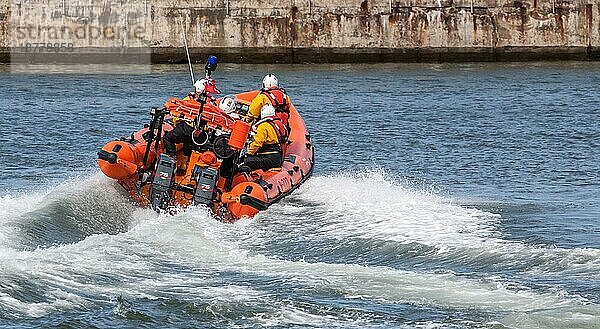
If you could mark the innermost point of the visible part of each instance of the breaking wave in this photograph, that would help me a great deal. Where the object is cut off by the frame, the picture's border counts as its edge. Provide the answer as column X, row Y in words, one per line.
column 63, row 214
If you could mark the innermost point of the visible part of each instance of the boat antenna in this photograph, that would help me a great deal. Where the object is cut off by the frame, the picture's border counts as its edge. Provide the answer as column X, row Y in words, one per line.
column 187, row 51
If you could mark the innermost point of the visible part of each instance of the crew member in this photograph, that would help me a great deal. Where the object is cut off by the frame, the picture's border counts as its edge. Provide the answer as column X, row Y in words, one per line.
column 272, row 94
column 227, row 105
column 265, row 150
column 182, row 133
column 185, row 130
column 206, row 86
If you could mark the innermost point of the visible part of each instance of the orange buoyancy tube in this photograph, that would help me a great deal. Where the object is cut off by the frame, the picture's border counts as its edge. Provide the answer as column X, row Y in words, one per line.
column 245, row 199
column 119, row 160
column 124, row 158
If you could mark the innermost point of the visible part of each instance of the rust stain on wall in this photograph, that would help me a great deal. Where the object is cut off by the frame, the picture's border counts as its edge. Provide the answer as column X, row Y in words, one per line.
column 451, row 25
column 213, row 16
column 379, row 24
column 364, row 17
column 292, row 23
column 483, row 29
column 559, row 23
column 419, row 27
column 589, row 20
column 524, row 16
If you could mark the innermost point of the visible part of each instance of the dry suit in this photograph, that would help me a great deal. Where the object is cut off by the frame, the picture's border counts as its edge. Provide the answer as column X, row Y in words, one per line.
column 182, row 133
column 274, row 96
column 265, row 151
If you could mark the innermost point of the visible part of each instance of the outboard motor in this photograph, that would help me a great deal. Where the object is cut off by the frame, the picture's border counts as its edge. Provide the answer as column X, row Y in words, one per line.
column 160, row 193
column 206, row 178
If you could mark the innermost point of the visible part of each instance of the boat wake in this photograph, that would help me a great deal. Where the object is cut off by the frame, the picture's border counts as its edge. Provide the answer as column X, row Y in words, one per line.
column 63, row 214
column 343, row 250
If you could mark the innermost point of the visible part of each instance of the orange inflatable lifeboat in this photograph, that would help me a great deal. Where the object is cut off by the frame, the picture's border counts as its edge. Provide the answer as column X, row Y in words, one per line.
column 210, row 177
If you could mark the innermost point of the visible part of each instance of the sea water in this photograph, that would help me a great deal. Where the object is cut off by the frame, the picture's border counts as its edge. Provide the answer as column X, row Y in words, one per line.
column 443, row 196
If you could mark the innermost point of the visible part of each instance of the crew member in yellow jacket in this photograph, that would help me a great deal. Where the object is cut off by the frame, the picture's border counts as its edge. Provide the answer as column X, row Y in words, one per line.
column 272, row 94
column 265, row 151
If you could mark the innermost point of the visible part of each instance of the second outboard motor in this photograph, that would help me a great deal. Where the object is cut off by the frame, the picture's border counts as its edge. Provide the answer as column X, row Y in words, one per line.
column 160, row 193
column 206, row 177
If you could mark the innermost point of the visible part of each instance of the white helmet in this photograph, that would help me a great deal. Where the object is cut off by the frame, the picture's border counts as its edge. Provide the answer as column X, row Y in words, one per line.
column 227, row 104
column 200, row 85
column 267, row 111
column 270, row 80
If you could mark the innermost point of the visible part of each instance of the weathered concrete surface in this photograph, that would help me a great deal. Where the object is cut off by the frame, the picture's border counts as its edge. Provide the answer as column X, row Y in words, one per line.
column 4, row 33
column 299, row 31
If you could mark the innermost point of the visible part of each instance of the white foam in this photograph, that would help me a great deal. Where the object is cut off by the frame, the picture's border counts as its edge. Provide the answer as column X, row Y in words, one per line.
column 291, row 315
column 371, row 206
column 11, row 208
column 219, row 248
column 125, row 264
column 58, row 300
column 143, row 262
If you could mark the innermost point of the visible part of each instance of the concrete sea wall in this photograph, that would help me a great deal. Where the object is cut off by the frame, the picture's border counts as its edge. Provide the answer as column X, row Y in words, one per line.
column 292, row 31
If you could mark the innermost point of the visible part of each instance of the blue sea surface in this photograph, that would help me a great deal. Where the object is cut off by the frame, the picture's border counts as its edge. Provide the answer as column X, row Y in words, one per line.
column 443, row 196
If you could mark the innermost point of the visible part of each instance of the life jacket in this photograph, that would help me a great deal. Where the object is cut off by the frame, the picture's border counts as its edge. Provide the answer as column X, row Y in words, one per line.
column 279, row 100
column 180, row 119
column 280, row 130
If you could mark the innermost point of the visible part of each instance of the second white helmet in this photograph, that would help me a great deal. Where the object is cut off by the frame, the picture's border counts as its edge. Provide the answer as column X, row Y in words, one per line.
column 267, row 111
column 270, row 80
column 200, row 85
column 227, row 104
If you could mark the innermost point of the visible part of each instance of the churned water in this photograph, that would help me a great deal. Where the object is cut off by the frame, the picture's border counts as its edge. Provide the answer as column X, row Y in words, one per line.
column 444, row 196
